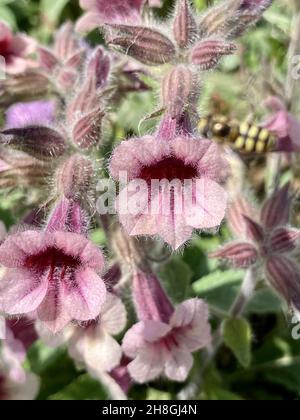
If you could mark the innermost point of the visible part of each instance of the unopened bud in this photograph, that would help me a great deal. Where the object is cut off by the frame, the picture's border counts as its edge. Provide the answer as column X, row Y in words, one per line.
column 283, row 274
column 276, row 209
column 144, row 44
column 74, row 177
column 87, row 131
column 284, row 239
column 178, row 90
column 207, row 54
column 39, row 142
column 47, row 59
column 185, row 26
column 241, row 255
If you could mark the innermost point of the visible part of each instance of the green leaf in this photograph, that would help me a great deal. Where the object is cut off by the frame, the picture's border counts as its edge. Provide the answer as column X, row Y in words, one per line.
column 7, row 16
column 53, row 366
column 237, row 336
column 176, row 276
column 264, row 302
column 217, row 279
column 82, row 388
column 219, row 288
column 154, row 394
column 53, row 9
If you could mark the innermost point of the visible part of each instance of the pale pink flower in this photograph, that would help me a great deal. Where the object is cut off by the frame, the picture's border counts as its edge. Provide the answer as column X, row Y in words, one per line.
column 53, row 272
column 175, row 184
column 266, row 241
column 99, row 12
column 15, row 382
column 284, row 125
column 15, row 50
column 93, row 342
column 163, row 340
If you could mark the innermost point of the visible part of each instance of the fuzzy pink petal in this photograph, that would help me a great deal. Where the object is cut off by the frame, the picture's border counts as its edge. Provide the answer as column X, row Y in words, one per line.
column 52, row 311
column 20, row 292
column 18, row 247
column 178, row 365
column 143, row 152
column 88, row 22
column 203, row 154
column 210, row 205
column 134, row 340
column 191, row 322
column 154, row 330
column 113, row 315
column 85, row 296
column 147, row 366
column 102, row 352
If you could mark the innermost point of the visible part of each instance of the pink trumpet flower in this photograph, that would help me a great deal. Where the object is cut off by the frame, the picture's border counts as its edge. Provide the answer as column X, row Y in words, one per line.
column 173, row 185
column 164, row 338
column 53, row 272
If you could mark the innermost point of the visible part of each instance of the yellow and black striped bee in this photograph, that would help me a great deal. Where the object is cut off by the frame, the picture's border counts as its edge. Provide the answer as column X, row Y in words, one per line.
column 244, row 137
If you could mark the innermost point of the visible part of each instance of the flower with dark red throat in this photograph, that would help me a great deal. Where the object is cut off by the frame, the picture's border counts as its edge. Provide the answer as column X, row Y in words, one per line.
column 267, row 241
column 174, row 182
column 104, row 11
column 15, row 50
column 53, row 272
column 165, row 337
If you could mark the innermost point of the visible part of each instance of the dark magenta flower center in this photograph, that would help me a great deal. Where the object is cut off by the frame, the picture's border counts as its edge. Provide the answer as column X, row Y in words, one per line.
column 55, row 259
column 169, row 168
column 5, row 48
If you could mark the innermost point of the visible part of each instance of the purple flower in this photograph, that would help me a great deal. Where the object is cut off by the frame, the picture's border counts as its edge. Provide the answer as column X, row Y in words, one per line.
column 30, row 113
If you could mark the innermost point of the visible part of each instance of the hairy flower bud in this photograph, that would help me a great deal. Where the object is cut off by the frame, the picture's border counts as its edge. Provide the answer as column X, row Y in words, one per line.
column 276, row 209
column 38, row 141
column 253, row 230
column 284, row 240
column 239, row 254
column 27, row 86
column 47, row 59
column 185, row 26
column 283, row 274
column 144, row 44
column 178, row 90
column 207, row 54
column 74, row 177
column 87, row 131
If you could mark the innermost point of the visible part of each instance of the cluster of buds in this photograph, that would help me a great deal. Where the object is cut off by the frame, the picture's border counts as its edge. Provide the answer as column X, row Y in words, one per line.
column 197, row 43
column 268, row 242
